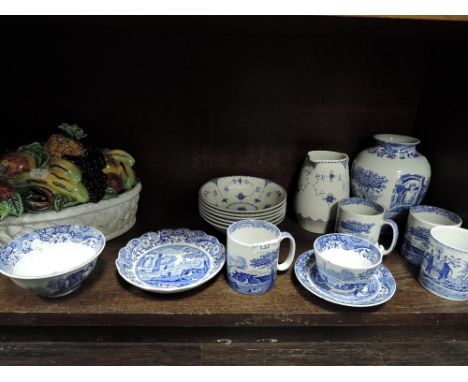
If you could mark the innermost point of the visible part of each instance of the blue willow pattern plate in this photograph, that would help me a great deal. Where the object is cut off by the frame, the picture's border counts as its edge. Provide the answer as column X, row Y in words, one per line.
column 380, row 289
column 171, row 261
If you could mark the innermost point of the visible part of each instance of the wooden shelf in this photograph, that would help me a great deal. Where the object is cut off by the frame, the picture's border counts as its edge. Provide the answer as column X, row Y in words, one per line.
column 110, row 322
column 458, row 18
column 107, row 300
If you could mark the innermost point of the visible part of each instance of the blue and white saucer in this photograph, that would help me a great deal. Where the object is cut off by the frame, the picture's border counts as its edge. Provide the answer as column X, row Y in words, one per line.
column 171, row 261
column 380, row 289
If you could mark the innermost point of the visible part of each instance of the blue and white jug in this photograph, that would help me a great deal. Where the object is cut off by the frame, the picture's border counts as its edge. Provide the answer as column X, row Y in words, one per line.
column 392, row 173
column 323, row 182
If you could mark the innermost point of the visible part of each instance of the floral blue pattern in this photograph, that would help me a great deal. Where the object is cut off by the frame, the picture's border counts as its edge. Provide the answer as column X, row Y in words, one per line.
column 379, row 290
column 169, row 261
column 53, row 285
column 367, row 184
column 394, row 150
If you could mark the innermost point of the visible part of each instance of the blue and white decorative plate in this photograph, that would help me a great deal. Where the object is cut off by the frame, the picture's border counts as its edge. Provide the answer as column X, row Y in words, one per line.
column 171, row 261
column 380, row 289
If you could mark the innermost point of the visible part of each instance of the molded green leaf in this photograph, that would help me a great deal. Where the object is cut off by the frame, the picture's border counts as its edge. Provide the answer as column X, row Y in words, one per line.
column 16, row 205
column 72, row 131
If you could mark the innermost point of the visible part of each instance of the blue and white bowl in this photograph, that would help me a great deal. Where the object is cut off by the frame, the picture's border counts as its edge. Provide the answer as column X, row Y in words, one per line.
column 346, row 262
column 223, row 201
column 242, row 196
column 55, row 280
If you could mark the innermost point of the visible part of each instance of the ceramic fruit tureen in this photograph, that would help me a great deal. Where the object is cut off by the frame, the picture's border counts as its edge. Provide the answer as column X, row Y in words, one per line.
column 44, row 183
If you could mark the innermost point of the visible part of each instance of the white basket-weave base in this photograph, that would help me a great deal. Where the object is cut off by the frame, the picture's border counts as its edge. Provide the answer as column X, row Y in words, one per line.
column 112, row 217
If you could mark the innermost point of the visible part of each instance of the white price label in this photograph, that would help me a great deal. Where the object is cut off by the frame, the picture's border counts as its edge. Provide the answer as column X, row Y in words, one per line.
column 39, row 173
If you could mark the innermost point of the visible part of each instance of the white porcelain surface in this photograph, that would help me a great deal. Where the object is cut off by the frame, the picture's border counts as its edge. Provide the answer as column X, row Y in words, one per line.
column 444, row 268
column 253, row 254
column 171, row 260
column 421, row 219
column 323, row 182
column 112, row 217
column 57, row 280
column 391, row 173
column 364, row 218
column 242, row 194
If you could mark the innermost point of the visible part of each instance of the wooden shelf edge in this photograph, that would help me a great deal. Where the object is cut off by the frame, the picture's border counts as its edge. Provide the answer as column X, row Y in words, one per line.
column 355, row 319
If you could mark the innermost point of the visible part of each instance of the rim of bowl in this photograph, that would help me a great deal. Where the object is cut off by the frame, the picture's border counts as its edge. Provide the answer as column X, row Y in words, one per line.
column 244, row 176
column 456, row 220
column 213, row 222
column 60, row 273
column 220, row 215
column 449, row 228
column 245, row 214
column 354, row 236
column 234, row 220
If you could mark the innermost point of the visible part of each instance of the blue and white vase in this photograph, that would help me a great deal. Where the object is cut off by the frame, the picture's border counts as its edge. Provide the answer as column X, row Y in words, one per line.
column 323, row 182
column 392, row 173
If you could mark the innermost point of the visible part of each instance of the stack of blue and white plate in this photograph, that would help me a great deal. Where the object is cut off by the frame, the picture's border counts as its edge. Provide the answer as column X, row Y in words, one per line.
column 223, row 201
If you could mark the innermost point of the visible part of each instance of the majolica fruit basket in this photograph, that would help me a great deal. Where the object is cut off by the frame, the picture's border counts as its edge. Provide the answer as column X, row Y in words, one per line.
column 67, row 181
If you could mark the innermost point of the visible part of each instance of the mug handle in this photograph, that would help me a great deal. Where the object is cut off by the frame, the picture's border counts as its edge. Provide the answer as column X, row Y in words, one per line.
column 394, row 228
column 292, row 250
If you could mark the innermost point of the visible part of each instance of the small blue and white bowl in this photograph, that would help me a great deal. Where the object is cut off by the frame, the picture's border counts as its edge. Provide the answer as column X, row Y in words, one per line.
column 54, row 275
column 346, row 262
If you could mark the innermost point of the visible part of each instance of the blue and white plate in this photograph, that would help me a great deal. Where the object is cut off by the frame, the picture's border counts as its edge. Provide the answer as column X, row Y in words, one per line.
column 171, row 261
column 380, row 289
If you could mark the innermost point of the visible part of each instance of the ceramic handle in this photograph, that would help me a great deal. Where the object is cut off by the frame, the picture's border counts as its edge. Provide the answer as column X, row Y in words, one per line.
column 394, row 228
column 292, row 250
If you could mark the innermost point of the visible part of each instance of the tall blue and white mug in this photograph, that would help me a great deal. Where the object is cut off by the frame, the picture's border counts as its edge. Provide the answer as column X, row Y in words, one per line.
column 253, row 253
column 444, row 268
column 364, row 218
column 421, row 219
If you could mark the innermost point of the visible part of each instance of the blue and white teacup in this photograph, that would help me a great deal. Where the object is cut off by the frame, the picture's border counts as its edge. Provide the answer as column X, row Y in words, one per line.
column 252, row 255
column 444, row 267
column 346, row 262
column 421, row 219
column 364, row 218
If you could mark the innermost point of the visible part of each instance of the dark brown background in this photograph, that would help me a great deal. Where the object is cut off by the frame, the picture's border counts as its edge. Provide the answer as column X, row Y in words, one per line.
column 198, row 97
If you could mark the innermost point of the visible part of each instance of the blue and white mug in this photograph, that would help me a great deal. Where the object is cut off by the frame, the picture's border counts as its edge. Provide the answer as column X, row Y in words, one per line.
column 364, row 218
column 421, row 219
column 444, row 268
column 252, row 255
